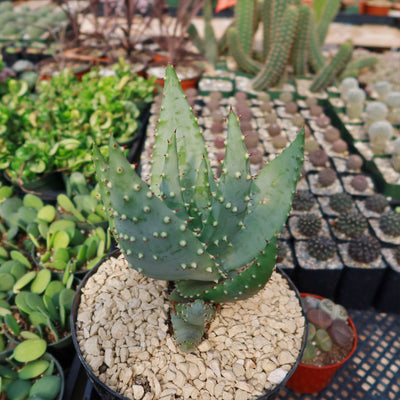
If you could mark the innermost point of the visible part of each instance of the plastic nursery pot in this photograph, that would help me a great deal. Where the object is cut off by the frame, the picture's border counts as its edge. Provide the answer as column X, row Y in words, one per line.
column 310, row 379
column 47, row 187
column 106, row 393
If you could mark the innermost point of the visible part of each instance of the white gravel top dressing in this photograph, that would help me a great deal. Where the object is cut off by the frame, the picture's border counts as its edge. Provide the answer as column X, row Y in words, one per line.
column 122, row 330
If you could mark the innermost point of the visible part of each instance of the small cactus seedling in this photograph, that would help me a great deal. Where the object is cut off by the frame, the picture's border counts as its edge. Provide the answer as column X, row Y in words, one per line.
column 390, row 224
column 376, row 203
column 303, row 200
column 364, row 249
column 341, row 202
column 321, row 248
column 352, row 223
column 189, row 227
column 309, row 224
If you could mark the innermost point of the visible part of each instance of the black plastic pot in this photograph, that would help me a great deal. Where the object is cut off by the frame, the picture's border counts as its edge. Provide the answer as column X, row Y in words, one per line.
column 388, row 298
column 317, row 277
column 106, row 393
column 359, row 286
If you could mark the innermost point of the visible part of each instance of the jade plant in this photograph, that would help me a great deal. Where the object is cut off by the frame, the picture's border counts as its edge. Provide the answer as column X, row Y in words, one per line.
column 30, row 373
column 328, row 330
column 216, row 238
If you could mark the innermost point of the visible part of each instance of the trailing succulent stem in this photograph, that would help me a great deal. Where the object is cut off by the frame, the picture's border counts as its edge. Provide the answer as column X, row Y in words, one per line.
column 215, row 238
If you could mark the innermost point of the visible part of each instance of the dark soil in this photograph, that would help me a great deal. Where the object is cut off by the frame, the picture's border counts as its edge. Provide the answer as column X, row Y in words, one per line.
column 323, row 358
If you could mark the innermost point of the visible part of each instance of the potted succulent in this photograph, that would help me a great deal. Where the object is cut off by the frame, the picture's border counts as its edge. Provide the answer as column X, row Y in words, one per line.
column 215, row 240
column 29, row 372
column 332, row 340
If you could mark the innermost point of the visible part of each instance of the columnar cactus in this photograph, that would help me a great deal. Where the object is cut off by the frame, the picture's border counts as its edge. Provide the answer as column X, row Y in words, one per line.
column 188, row 227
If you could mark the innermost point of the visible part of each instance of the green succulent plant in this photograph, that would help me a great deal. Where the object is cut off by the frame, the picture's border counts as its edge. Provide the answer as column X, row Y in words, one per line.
column 30, row 373
column 41, row 301
column 187, row 226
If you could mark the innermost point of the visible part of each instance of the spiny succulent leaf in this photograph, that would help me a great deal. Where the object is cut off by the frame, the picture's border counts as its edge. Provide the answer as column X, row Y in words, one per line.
column 154, row 240
column 177, row 116
column 170, row 186
column 202, row 192
column 237, row 287
column 195, row 313
column 102, row 172
column 187, row 336
column 231, row 200
column 274, row 184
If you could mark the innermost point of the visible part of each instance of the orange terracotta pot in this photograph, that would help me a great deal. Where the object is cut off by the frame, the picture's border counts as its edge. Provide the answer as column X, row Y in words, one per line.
column 374, row 8
column 310, row 379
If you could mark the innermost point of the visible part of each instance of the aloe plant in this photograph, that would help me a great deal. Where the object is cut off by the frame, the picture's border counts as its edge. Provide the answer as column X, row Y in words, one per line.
column 190, row 228
column 30, row 373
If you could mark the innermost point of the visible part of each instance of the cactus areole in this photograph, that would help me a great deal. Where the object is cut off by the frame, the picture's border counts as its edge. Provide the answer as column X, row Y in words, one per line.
column 216, row 238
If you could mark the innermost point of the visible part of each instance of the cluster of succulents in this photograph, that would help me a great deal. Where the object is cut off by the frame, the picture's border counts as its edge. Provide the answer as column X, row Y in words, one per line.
column 328, row 329
column 30, row 372
column 29, row 23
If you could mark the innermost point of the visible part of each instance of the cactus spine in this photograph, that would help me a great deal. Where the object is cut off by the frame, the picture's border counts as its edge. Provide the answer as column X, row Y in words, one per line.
column 331, row 70
column 301, row 45
column 191, row 228
column 280, row 51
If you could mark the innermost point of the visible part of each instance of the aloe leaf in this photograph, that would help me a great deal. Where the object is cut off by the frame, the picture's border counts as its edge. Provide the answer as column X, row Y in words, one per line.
column 46, row 388
column 18, row 390
column 170, row 187
column 238, row 286
column 33, row 369
column 230, row 202
column 152, row 229
column 24, row 281
column 102, row 172
column 177, row 116
column 29, row 350
column 267, row 215
column 12, row 324
column 41, row 281
column 47, row 214
column 32, row 201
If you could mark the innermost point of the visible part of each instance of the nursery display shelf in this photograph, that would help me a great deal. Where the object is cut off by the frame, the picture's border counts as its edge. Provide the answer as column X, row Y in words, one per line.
column 372, row 373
